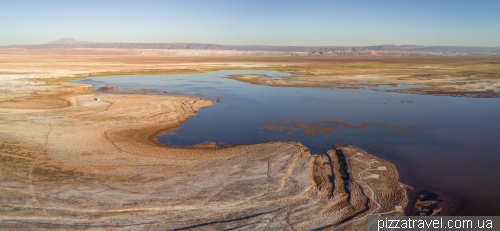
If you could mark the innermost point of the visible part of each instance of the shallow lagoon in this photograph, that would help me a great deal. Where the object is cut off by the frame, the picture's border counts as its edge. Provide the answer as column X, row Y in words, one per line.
column 443, row 144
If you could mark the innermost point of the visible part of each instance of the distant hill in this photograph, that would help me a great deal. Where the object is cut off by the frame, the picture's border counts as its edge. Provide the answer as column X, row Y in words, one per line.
column 320, row 50
column 69, row 41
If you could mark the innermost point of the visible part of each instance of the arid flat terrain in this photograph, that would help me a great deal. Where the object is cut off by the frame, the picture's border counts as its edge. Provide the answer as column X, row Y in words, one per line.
column 76, row 159
column 475, row 76
column 455, row 76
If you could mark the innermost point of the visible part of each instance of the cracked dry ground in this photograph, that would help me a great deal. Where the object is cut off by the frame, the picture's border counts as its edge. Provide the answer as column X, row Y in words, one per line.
column 93, row 165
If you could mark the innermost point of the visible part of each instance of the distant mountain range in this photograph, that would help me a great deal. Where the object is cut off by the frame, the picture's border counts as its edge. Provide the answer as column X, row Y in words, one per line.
column 72, row 43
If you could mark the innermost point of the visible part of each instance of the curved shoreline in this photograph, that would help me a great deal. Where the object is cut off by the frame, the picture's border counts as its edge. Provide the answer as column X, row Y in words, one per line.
column 42, row 76
column 97, row 157
column 54, row 144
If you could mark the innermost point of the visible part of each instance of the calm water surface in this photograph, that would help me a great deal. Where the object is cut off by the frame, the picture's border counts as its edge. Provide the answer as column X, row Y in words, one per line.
column 448, row 145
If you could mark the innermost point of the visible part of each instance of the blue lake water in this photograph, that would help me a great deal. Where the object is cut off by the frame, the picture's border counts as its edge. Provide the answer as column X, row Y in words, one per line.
column 444, row 144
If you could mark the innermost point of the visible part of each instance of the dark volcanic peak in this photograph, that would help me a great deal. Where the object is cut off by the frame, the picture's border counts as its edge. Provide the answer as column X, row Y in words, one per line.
column 339, row 50
column 69, row 41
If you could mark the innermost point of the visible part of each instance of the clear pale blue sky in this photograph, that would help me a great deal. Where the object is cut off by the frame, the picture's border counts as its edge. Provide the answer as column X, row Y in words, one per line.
column 254, row 22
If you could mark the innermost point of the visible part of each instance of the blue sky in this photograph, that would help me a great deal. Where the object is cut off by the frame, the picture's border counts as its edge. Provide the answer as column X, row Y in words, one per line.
column 301, row 23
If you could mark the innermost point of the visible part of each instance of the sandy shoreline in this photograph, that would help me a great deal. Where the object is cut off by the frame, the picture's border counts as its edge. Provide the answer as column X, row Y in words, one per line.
column 93, row 163
column 96, row 163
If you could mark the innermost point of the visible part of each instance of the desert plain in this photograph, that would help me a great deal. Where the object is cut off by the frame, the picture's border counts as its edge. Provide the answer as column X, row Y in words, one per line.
column 75, row 158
